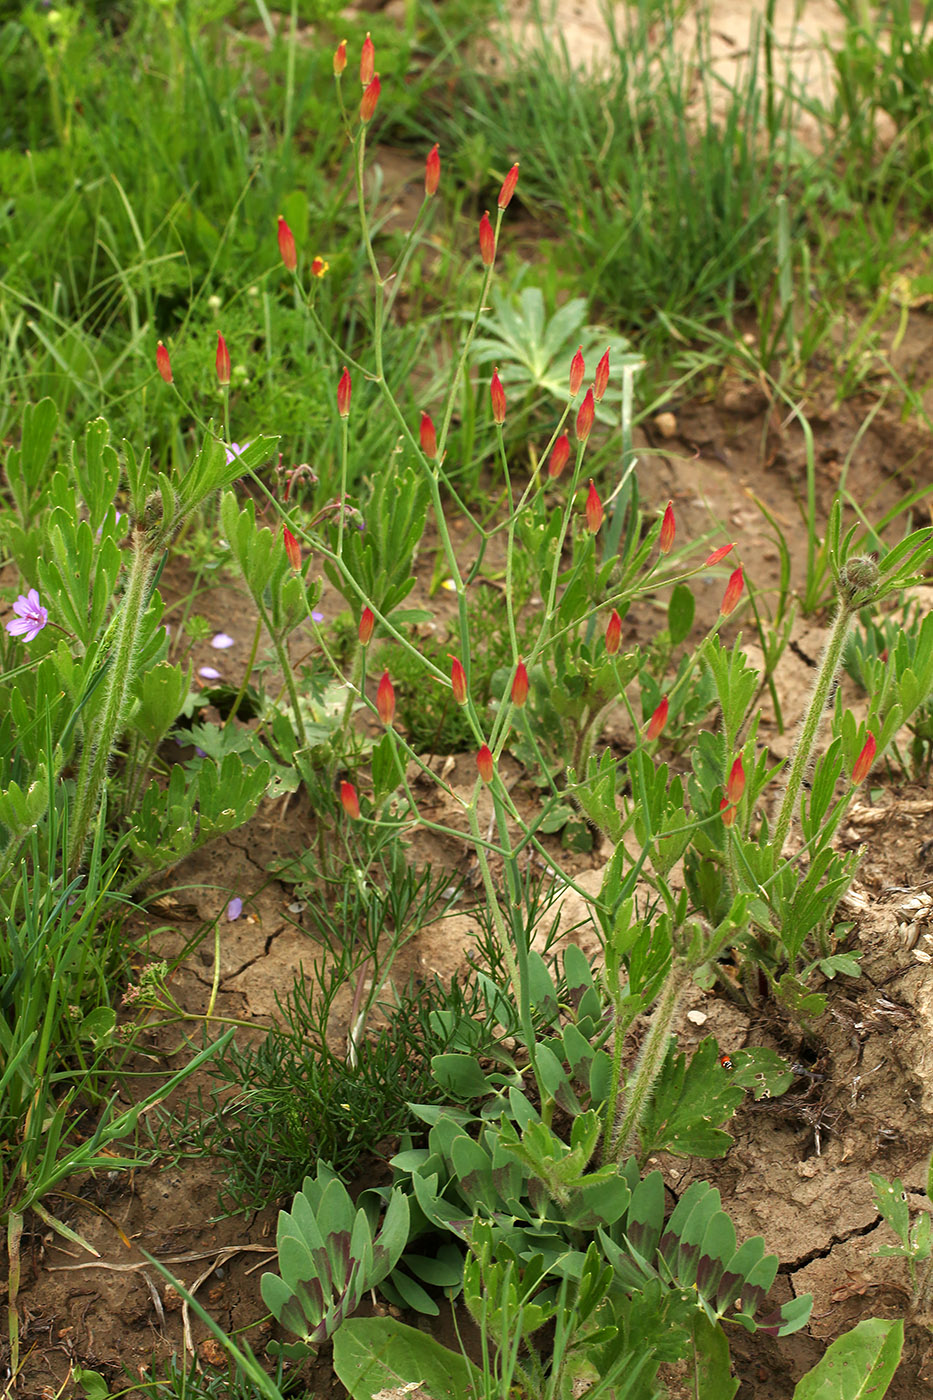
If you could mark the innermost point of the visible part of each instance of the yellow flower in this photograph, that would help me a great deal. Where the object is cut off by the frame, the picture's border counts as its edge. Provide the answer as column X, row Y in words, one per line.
column 319, row 267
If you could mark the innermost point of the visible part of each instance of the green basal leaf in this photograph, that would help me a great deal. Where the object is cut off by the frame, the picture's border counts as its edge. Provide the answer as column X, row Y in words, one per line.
column 859, row 1365
column 379, row 1354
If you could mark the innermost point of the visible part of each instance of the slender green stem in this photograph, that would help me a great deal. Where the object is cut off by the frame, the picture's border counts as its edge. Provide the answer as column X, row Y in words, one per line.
column 251, row 661
column 516, row 960
column 809, row 730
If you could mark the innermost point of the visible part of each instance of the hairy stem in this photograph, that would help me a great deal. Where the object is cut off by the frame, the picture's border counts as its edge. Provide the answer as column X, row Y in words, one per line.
column 830, row 662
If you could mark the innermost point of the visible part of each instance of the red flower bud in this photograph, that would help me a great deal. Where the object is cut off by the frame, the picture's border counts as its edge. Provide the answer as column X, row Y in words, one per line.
column 733, row 592
column 344, row 389
column 602, row 377
column 458, row 680
column 340, row 58
column 367, row 623
column 520, row 685
column 432, row 171
column 736, row 784
column 728, row 812
column 369, row 99
column 865, row 759
column 658, row 720
column 613, row 632
column 594, row 510
column 585, row 417
column 163, row 363
column 485, row 764
column 385, row 700
column 428, row 436
column 718, row 554
column 287, row 246
column 367, row 61
column 497, row 395
column 508, row 188
column 559, row 454
column 668, row 529
column 350, row 801
column 577, row 371
column 223, row 360
column 292, row 547
column 487, row 240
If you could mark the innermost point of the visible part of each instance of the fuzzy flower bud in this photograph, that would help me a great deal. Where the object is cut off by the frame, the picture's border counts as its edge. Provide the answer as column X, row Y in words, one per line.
column 369, row 99
column 292, row 547
column 594, row 510
column 487, row 240
column 349, row 801
column 718, row 554
column 163, row 363
column 668, row 530
column 385, row 700
column 577, row 371
column 865, row 759
column 613, row 632
column 428, row 436
column 222, row 360
column 344, row 389
column 859, row 578
column 367, row 61
column 559, row 454
column 432, row 171
column 458, row 680
column 497, row 395
column 367, row 623
column 340, row 58
column 733, row 592
column 585, row 417
column 602, row 377
column 508, row 188
column 658, row 720
column 728, row 812
column 484, row 763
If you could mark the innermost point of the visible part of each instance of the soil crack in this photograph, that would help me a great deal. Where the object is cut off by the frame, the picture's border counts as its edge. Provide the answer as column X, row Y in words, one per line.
column 804, row 1260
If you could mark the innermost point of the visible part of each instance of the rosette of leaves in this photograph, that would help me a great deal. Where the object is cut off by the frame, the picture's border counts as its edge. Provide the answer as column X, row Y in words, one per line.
column 533, row 351
column 328, row 1257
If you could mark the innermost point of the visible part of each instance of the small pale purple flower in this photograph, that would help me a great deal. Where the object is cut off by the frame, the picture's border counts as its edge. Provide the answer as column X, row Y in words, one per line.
column 221, row 641
column 317, row 616
column 30, row 618
column 208, row 673
column 234, row 451
column 234, row 908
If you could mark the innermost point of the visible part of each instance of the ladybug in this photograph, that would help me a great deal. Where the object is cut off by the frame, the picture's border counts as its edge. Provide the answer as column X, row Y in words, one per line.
column 726, row 1061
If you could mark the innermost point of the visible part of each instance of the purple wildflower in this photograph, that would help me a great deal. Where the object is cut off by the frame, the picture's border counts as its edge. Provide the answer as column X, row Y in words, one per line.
column 234, row 451
column 234, row 908
column 208, row 673
column 221, row 641
column 30, row 618
column 317, row 616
